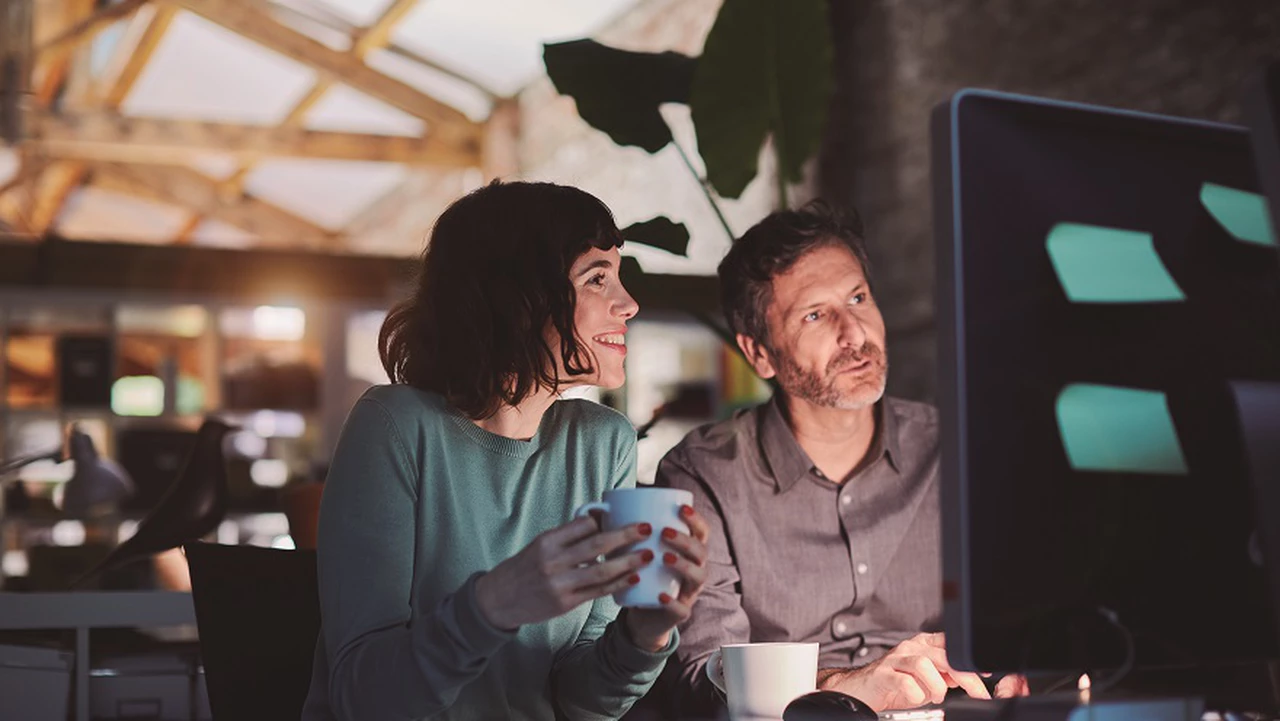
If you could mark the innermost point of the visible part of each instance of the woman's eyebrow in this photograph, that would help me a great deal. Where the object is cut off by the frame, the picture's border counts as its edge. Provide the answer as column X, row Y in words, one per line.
column 602, row 263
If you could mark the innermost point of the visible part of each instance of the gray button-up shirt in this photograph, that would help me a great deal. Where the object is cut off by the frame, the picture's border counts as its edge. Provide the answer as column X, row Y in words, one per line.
column 796, row 557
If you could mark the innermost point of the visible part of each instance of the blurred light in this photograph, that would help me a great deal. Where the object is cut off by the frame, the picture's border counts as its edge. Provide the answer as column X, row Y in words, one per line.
column 48, row 472
column 68, row 533
column 274, row 322
column 183, row 321
column 14, row 563
column 269, row 473
column 269, row 525
column 138, row 396
column 228, row 533
column 277, row 424
column 363, row 361
column 127, row 528
column 284, row 543
column 189, row 398
column 248, row 444
column 34, row 436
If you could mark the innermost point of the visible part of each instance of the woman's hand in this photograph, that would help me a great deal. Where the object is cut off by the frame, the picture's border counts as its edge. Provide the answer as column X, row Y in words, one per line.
column 557, row 571
column 650, row 628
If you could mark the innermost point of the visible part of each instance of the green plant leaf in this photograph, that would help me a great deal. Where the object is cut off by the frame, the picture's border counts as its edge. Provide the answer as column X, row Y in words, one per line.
column 765, row 68
column 618, row 91
column 659, row 232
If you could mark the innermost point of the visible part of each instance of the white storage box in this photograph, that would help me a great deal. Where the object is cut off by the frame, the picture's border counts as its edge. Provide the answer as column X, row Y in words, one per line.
column 35, row 683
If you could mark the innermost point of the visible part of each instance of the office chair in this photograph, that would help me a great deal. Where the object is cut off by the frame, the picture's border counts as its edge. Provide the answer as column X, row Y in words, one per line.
column 258, row 615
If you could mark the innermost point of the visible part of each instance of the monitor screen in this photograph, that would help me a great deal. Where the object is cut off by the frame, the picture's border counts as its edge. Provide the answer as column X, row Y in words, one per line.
column 1103, row 276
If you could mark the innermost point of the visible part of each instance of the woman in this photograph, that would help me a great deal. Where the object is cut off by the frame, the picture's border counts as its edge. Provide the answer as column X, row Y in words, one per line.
column 454, row 582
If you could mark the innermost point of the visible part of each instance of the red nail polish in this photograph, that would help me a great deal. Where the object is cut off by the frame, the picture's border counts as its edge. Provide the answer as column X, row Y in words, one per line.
column 645, row 529
column 686, row 511
column 634, row 579
column 668, row 533
column 669, row 559
column 646, row 555
column 664, row 599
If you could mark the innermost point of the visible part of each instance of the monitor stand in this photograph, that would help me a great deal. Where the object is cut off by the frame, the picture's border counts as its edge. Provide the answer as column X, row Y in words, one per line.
column 1078, row 706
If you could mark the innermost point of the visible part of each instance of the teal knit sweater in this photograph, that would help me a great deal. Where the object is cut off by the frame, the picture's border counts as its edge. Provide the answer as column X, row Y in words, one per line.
column 419, row 502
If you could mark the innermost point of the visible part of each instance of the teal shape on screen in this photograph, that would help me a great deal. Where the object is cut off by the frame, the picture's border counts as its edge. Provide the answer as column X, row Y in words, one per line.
column 1241, row 213
column 1119, row 430
column 1096, row 264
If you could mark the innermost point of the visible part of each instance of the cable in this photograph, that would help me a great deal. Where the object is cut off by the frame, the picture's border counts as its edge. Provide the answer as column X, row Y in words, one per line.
column 1126, row 666
column 1130, row 651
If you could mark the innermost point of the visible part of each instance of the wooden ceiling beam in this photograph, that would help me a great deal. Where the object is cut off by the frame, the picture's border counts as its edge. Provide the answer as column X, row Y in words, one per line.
column 378, row 34
column 186, row 188
column 57, row 180
column 363, row 42
column 55, row 184
column 113, row 137
column 141, row 55
column 261, row 275
column 256, row 24
column 84, row 30
column 428, row 193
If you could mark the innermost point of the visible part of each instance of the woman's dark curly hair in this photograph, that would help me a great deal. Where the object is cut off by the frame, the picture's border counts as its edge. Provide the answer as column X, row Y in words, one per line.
column 493, row 278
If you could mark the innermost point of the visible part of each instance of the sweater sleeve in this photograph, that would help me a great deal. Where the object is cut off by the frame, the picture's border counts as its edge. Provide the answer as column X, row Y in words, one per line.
column 387, row 659
column 603, row 673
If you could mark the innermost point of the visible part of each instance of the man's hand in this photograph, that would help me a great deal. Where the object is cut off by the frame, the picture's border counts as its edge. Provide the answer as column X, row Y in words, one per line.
column 914, row 673
column 1012, row 685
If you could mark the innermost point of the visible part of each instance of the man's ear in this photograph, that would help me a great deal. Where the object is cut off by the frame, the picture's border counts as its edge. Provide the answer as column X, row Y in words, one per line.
column 757, row 355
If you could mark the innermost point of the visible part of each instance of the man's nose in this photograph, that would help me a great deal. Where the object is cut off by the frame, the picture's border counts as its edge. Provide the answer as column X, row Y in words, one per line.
column 852, row 332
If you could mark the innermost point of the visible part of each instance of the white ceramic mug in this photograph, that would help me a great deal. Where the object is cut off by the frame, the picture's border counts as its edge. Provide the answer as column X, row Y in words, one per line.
column 760, row 679
column 660, row 508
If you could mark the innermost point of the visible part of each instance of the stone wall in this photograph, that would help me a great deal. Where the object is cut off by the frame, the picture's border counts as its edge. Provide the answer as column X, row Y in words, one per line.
column 896, row 59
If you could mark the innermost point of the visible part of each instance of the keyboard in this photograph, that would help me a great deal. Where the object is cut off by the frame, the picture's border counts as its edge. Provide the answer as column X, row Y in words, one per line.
column 928, row 713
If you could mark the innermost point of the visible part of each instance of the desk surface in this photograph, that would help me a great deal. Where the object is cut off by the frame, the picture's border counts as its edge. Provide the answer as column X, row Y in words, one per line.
column 95, row 609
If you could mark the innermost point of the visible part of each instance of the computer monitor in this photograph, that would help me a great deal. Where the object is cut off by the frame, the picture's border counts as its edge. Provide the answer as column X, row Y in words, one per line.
column 1259, row 403
column 1103, row 277
column 153, row 455
column 1262, row 116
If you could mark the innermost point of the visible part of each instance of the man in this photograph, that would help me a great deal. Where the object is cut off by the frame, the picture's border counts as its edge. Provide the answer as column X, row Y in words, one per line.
column 824, row 500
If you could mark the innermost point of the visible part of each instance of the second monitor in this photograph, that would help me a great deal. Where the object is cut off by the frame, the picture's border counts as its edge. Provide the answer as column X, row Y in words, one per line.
column 1102, row 276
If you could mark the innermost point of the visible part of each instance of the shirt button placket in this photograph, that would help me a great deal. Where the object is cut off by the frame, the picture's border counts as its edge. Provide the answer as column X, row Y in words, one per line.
column 842, row 626
column 860, row 568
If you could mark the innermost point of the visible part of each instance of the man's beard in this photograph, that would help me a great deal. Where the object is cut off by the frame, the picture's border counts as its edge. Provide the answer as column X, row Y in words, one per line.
column 823, row 389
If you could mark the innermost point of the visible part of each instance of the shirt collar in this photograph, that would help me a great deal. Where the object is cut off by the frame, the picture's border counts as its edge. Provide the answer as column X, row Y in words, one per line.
column 887, row 436
column 789, row 462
